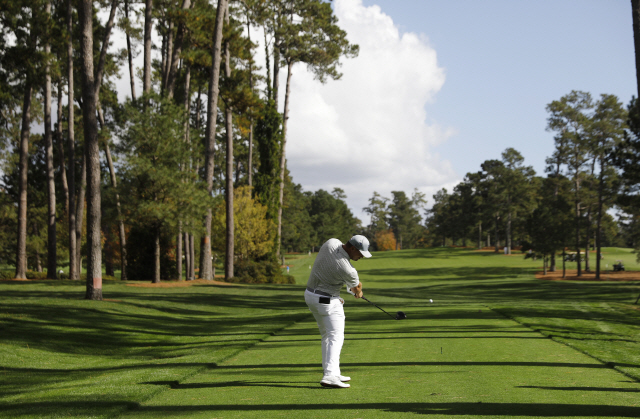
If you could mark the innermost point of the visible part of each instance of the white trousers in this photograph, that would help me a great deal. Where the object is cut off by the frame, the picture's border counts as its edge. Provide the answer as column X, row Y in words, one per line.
column 330, row 319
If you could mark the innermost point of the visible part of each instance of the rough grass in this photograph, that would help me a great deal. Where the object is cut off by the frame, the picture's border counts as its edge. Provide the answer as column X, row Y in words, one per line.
column 496, row 342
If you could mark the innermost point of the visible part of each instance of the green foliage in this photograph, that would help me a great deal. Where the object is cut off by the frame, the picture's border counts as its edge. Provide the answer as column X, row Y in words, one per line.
column 331, row 218
column 550, row 225
column 253, row 231
column 158, row 187
column 627, row 158
column 404, row 218
column 268, row 135
column 260, row 272
column 298, row 234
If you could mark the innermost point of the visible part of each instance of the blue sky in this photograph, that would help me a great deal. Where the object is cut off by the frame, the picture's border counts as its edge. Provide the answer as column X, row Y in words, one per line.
column 442, row 85
column 505, row 60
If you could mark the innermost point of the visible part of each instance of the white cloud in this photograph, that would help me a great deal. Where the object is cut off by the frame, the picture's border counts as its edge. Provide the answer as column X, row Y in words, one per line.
column 368, row 131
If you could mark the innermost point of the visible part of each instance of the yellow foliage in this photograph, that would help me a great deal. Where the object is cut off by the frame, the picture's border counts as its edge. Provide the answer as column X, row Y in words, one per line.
column 254, row 233
column 386, row 240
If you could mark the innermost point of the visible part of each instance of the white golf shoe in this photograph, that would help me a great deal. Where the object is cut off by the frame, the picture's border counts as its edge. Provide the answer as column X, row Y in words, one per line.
column 333, row 381
column 344, row 378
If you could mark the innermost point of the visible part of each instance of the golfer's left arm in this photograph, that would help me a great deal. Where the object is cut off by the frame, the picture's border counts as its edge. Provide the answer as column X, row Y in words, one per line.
column 357, row 290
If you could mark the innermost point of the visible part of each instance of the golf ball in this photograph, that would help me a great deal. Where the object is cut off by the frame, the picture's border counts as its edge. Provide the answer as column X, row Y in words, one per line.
column 430, row 300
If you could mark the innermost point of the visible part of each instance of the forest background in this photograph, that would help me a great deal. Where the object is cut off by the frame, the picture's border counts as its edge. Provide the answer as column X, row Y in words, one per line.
column 191, row 172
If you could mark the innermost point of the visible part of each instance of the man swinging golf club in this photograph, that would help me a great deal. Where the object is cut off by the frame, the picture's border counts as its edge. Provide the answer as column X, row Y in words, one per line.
column 331, row 270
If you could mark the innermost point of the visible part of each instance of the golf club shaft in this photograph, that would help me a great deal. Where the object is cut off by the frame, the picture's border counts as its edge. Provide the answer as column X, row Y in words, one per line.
column 376, row 306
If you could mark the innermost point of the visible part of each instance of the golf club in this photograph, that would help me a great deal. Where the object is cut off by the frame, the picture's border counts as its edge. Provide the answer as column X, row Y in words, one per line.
column 399, row 315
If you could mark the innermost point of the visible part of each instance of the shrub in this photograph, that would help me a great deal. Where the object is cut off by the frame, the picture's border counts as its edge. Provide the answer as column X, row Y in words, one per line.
column 36, row 275
column 260, row 272
column 7, row 274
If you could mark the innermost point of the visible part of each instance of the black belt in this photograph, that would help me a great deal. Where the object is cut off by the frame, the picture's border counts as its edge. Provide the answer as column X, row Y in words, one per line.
column 326, row 294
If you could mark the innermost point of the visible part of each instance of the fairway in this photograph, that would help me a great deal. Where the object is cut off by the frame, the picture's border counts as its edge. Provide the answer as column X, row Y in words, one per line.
column 495, row 343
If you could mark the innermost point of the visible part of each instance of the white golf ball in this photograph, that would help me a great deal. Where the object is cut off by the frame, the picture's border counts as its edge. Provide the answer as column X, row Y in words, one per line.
column 430, row 300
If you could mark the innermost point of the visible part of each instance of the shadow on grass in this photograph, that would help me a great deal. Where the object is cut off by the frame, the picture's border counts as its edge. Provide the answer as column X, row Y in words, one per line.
column 621, row 390
column 188, row 386
column 479, row 408
column 469, row 408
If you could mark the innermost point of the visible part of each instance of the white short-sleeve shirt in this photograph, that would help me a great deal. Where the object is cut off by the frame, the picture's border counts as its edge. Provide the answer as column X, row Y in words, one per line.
column 332, row 269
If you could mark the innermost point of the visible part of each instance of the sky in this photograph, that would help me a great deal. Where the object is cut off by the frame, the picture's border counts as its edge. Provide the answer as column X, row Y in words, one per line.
column 441, row 86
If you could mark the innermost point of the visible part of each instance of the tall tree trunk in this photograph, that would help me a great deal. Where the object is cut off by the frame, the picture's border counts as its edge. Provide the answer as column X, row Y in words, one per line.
column 250, row 162
column 192, row 249
column 92, row 153
column 25, row 132
column 60, row 142
column 74, row 274
column 187, row 102
column 168, row 53
column 495, row 232
column 175, row 53
column 635, row 11
column 36, row 232
column 283, row 157
column 276, row 72
column 156, row 255
column 480, row 235
column 268, row 67
column 552, row 266
column 103, row 52
column 228, row 116
column 230, row 248
column 108, row 252
column 148, row 26
column 114, row 184
column 80, row 212
column 179, row 251
column 52, row 255
column 132, row 80
column 587, row 265
column 508, row 238
column 599, row 220
column 212, row 110
column 577, row 204
column 187, row 257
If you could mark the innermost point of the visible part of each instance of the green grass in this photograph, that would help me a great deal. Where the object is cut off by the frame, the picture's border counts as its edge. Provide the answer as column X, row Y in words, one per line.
column 495, row 343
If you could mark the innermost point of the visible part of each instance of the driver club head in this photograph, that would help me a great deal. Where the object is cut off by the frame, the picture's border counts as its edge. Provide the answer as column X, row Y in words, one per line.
column 400, row 315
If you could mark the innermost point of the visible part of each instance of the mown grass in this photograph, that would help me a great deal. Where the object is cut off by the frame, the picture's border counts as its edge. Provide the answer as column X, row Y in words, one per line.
column 495, row 342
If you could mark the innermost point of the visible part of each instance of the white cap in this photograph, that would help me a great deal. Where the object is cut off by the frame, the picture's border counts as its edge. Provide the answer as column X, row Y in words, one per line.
column 362, row 244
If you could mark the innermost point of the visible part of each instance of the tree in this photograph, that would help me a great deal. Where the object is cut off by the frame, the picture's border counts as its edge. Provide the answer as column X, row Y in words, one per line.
column 254, row 232
column 92, row 153
column 23, row 64
column 305, row 31
column 156, row 193
column 549, row 225
column 635, row 12
column 298, row 234
column 210, row 137
column 268, row 135
column 378, row 210
column 438, row 216
column 569, row 118
column 607, row 130
column 627, row 159
column 516, row 188
column 404, row 217
column 330, row 217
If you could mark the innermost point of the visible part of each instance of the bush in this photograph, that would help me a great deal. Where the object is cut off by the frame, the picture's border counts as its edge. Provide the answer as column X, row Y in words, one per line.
column 7, row 274
column 260, row 272
column 36, row 275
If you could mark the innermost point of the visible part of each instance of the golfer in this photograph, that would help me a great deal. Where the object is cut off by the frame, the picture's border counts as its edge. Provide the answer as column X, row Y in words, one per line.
column 331, row 270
